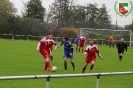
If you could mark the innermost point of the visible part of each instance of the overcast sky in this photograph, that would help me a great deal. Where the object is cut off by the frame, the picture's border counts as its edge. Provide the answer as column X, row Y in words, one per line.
column 109, row 4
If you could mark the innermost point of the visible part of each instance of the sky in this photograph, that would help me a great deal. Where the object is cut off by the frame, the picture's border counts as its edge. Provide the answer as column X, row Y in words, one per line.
column 121, row 21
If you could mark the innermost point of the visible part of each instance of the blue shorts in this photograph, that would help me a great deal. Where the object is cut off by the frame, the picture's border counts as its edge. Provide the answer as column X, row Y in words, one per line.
column 67, row 55
column 111, row 43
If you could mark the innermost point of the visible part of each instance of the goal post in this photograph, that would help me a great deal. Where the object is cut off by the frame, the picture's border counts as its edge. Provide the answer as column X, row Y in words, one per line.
column 103, row 35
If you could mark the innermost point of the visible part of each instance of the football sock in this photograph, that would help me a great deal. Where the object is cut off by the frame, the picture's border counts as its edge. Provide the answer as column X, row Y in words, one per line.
column 79, row 49
column 82, row 50
column 120, row 57
column 73, row 64
column 48, row 64
column 51, row 58
column 91, row 66
column 65, row 65
column 45, row 68
column 83, row 70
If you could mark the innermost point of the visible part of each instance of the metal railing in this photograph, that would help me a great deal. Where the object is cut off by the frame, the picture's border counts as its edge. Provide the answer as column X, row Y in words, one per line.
column 64, row 76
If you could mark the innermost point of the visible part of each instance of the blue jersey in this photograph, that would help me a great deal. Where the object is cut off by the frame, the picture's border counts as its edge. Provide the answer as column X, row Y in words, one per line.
column 77, row 39
column 67, row 47
column 68, row 50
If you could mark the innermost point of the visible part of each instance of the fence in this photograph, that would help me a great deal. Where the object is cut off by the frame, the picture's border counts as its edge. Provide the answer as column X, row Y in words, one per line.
column 57, row 39
column 65, row 75
column 29, row 37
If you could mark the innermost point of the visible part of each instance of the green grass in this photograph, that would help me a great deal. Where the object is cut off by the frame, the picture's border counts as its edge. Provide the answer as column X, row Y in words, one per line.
column 20, row 58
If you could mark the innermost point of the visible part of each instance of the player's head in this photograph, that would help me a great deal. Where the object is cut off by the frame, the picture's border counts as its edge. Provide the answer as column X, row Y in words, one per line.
column 47, row 36
column 78, row 33
column 82, row 35
column 66, row 38
column 91, row 42
column 50, row 36
column 122, row 40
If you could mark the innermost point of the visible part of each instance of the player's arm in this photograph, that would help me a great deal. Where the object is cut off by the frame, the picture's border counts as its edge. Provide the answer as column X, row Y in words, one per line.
column 56, row 46
column 42, row 40
column 62, row 42
column 38, row 46
column 98, row 53
column 86, row 50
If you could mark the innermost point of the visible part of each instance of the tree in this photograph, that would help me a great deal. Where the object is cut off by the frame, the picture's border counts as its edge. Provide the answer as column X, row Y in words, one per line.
column 128, row 27
column 60, row 11
column 103, row 18
column 99, row 16
column 7, row 10
column 34, row 9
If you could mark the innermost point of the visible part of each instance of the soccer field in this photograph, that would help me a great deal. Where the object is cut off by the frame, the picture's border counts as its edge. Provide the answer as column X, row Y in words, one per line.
column 19, row 57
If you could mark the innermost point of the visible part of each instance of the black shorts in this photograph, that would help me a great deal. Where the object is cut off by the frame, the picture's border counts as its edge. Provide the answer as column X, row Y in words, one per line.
column 120, row 51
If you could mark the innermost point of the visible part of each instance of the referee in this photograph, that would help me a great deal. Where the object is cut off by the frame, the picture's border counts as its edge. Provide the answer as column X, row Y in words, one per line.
column 121, row 46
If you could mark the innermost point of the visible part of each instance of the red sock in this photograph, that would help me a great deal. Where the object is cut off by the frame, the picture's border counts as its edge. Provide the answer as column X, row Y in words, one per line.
column 48, row 64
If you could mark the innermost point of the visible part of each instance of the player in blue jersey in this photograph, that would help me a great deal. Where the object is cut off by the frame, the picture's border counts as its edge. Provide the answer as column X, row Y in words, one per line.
column 68, row 53
column 77, row 41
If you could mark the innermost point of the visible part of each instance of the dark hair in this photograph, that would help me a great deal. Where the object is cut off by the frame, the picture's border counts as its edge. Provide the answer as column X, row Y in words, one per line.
column 66, row 38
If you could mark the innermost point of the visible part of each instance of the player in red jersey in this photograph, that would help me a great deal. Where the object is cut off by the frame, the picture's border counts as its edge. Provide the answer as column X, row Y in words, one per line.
column 51, row 42
column 44, row 50
column 91, row 51
column 82, row 40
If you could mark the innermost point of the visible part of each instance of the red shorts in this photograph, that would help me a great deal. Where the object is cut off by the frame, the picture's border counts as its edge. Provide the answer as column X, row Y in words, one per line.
column 88, row 60
column 45, row 53
column 81, row 45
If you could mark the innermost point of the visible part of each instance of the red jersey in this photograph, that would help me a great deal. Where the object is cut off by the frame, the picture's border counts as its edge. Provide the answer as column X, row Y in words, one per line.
column 51, row 42
column 82, row 40
column 43, row 44
column 91, row 51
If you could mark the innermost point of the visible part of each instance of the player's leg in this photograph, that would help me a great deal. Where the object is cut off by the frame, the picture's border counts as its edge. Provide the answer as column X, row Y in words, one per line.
column 43, row 54
column 45, row 67
column 73, row 65
column 47, row 62
column 84, row 68
column 50, row 53
column 120, row 54
column 85, row 64
column 65, row 61
column 113, row 44
column 83, row 49
column 71, row 60
column 91, row 67
column 79, row 48
column 51, row 56
column 110, row 44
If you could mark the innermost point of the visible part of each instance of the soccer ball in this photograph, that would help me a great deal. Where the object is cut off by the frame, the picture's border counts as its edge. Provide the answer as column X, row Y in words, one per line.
column 54, row 68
